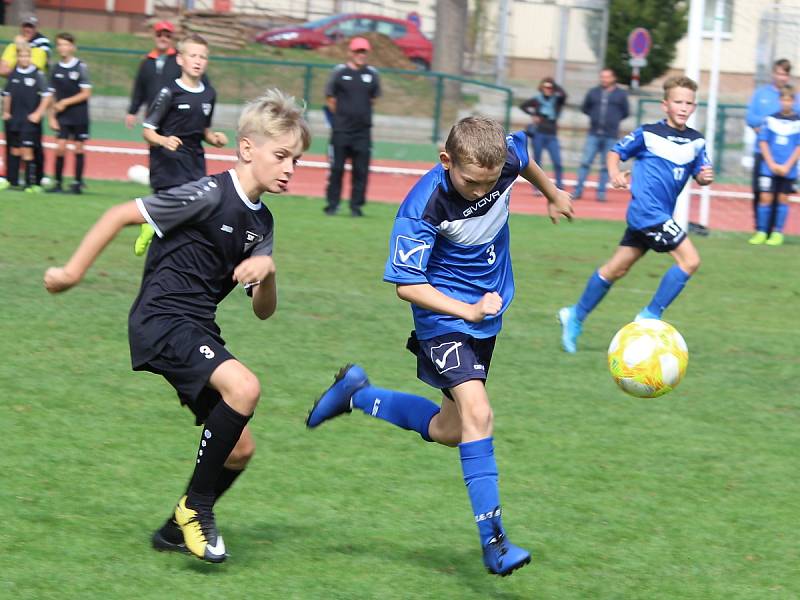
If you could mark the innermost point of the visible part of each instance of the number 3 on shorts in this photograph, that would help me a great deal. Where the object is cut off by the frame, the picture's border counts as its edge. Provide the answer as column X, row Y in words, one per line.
column 207, row 352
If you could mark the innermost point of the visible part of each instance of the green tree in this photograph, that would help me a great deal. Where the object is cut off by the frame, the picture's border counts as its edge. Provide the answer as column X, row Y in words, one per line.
column 666, row 20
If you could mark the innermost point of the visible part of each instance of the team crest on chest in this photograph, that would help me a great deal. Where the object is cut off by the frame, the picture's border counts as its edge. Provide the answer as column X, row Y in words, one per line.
column 206, row 108
column 366, row 77
column 251, row 239
column 29, row 81
column 74, row 75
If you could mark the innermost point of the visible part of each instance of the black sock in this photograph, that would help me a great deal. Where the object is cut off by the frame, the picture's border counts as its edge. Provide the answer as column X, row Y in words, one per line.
column 59, row 169
column 30, row 173
column 225, row 480
column 79, row 168
column 13, row 170
column 221, row 431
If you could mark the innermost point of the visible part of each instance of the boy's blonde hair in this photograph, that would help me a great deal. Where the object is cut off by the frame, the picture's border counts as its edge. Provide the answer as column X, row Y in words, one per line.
column 23, row 46
column 679, row 81
column 192, row 38
column 477, row 140
column 272, row 115
column 787, row 90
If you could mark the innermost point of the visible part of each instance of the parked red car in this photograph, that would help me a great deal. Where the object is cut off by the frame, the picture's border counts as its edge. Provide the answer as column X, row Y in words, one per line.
column 330, row 30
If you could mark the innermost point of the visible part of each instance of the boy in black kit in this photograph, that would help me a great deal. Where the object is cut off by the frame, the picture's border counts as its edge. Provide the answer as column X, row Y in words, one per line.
column 69, row 116
column 25, row 99
column 177, row 124
column 212, row 234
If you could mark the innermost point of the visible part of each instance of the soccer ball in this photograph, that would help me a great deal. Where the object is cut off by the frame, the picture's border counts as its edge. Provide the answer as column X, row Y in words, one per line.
column 139, row 174
column 648, row 358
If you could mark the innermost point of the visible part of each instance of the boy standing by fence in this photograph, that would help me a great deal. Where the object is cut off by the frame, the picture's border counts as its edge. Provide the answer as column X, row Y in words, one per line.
column 25, row 99
column 69, row 109
column 177, row 124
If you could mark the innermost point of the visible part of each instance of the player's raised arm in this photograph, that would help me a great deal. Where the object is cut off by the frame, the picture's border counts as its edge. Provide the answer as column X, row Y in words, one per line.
column 60, row 279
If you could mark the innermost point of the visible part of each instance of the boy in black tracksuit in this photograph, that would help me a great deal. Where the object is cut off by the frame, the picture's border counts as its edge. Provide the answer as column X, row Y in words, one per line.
column 69, row 104
column 25, row 99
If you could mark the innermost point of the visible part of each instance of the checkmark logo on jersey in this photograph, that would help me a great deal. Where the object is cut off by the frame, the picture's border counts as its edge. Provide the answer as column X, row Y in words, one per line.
column 409, row 252
column 445, row 356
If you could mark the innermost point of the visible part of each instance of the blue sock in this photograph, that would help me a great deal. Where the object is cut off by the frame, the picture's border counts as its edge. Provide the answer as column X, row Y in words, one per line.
column 404, row 410
column 480, row 475
column 763, row 213
column 596, row 289
column 780, row 217
column 671, row 285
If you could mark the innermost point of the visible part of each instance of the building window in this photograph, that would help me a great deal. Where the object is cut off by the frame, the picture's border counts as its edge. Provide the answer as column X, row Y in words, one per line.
column 727, row 20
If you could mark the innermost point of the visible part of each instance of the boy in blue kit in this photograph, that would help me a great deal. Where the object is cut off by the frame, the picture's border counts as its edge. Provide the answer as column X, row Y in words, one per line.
column 449, row 258
column 668, row 153
column 779, row 143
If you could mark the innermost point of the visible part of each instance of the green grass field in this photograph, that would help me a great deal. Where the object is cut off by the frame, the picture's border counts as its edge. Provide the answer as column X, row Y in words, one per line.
column 690, row 496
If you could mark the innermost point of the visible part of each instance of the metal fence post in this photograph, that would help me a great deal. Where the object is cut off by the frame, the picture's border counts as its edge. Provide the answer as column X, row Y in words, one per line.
column 437, row 107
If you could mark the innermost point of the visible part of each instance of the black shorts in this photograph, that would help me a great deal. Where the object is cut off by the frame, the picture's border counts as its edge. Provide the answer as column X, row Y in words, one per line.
column 187, row 361
column 79, row 133
column 27, row 137
column 775, row 184
column 662, row 238
column 170, row 169
column 451, row 359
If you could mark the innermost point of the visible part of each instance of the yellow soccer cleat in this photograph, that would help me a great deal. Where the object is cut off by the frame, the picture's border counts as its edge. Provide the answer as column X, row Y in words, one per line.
column 759, row 238
column 144, row 239
column 200, row 532
column 775, row 239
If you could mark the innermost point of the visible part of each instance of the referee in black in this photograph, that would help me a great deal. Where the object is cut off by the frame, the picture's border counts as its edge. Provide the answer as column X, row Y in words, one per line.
column 349, row 94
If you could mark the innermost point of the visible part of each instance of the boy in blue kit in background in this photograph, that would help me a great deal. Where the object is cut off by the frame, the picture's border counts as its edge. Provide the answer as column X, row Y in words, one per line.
column 449, row 258
column 668, row 153
column 779, row 143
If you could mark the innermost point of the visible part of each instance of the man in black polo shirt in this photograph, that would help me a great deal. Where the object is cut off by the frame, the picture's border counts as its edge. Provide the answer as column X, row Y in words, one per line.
column 349, row 94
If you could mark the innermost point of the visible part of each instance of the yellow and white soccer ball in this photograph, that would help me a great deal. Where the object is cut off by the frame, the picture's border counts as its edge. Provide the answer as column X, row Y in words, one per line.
column 648, row 358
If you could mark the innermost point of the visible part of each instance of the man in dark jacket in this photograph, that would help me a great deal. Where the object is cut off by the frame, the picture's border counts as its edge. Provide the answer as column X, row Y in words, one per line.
column 606, row 105
column 158, row 68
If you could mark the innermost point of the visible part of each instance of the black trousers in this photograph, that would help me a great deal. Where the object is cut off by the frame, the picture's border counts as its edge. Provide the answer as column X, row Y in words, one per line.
column 357, row 147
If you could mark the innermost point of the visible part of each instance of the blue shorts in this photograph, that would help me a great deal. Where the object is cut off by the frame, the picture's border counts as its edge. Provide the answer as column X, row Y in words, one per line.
column 448, row 360
column 775, row 184
column 664, row 237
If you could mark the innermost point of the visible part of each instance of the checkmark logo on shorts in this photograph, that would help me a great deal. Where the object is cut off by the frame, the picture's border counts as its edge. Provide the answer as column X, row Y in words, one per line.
column 445, row 356
column 409, row 252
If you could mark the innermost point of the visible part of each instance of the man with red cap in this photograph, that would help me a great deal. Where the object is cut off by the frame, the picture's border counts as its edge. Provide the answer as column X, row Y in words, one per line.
column 157, row 69
column 349, row 95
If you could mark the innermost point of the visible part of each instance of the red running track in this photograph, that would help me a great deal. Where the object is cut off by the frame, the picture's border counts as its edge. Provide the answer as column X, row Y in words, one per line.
column 111, row 160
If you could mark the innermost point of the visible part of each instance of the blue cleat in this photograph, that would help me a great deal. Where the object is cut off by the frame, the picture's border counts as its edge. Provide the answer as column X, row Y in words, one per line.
column 646, row 314
column 501, row 557
column 338, row 398
column 571, row 328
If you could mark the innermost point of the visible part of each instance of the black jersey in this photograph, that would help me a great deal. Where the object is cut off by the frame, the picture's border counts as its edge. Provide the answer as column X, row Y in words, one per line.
column 185, row 113
column 67, row 80
column 205, row 229
column 354, row 90
column 26, row 87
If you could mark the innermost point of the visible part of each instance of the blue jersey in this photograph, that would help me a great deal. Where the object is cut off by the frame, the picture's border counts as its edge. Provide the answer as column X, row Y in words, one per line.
column 766, row 100
column 782, row 134
column 665, row 159
column 459, row 246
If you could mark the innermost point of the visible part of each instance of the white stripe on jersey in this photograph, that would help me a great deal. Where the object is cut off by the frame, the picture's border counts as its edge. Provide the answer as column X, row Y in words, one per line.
column 474, row 231
column 784, row 127
column 680, row 154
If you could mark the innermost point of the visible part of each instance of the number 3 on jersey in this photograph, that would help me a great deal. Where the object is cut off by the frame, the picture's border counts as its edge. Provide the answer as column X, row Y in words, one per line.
column 207, row 352
column 492, row 256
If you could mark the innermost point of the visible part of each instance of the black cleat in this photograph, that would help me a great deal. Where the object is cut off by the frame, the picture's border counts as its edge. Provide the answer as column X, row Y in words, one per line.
column 169, row 538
